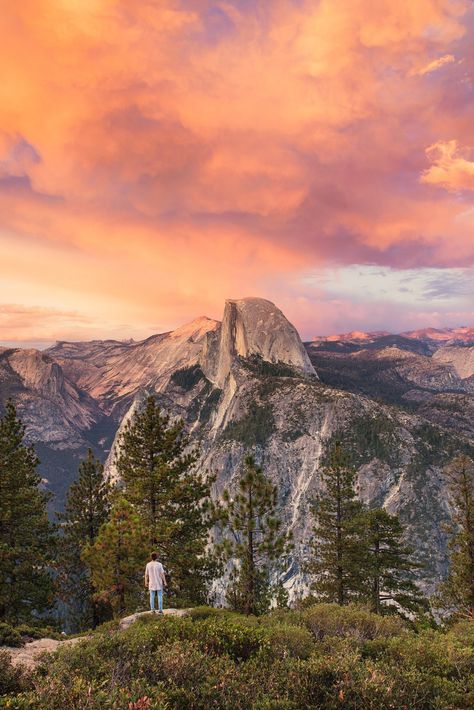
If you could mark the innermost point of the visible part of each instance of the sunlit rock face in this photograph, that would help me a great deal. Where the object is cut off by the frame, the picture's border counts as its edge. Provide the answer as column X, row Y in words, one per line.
column 113, row 372
column 248, row 385
column 254, row 326
column 461, row 358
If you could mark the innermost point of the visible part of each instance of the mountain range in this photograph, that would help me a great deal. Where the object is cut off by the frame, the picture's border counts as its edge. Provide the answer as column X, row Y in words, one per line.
column 431, row 338
column 403, row 404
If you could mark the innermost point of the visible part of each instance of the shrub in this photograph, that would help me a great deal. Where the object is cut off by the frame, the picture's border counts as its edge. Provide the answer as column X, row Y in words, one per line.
column 108, row 627
column 463, row 631
column 289, row 641
column 351, row 620
column 239, row 640
column 204, row 612
column 37, row 632
column 429, row 651
column 9, row 636
column 229, row 662
column 12, row 679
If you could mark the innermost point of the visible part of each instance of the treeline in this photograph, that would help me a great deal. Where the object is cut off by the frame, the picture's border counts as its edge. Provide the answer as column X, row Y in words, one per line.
column 89, row 563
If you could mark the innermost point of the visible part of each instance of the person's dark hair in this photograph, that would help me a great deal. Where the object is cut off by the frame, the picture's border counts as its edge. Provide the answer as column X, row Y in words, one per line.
column 153, row 555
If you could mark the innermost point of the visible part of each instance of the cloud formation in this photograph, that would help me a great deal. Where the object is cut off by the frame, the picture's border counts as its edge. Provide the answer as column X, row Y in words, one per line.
column 156, row 158
column 451, row 167
column 433, row 65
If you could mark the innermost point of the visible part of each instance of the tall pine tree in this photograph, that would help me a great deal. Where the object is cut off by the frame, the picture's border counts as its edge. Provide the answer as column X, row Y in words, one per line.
column 87, row 508
column 254, row 542
column 388, row 565
column 337, row 549
column 26, row 535
column 457, row 591
column 156, row 466
column 116, row 558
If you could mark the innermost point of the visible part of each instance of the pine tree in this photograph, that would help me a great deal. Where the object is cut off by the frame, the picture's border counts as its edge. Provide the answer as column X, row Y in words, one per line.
column 388, row 565
column 26, row 535
column 457, row 591
column 337, row 550
column 254, row 541
column 87, row 508
column 172, row 499
column 117, row 558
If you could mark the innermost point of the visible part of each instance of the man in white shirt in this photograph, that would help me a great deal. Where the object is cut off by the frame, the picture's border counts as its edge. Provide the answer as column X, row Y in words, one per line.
column 155, row 580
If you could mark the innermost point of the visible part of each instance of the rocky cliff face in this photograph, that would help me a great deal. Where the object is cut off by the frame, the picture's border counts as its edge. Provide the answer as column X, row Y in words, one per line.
column 460, row 358
column 249, row 384
column 61, row 419
column 254, row 326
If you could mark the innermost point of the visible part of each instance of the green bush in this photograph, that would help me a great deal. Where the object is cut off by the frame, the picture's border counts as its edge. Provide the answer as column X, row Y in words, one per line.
column 430, row 651
column 204, row 612
column 323, row 657
column 9, row 636
column 351, row 620
column 12, row 679
column 108, row 627
column 462, row 631
column 37, row 632
column 286, row 640
column 239, row 640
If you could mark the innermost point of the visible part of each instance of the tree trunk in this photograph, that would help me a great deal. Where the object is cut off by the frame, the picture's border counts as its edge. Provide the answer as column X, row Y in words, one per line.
column 339, row 566
column 250, row 592
column 376, row 598
column 469, row 526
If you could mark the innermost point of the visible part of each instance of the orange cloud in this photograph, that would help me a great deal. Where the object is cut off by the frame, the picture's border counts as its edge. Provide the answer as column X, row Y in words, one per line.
column 450, row 168
column 158, row 157
column 433, row 65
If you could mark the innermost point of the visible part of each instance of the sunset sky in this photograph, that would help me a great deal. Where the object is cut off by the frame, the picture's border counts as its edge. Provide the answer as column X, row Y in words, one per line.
column 160, row 156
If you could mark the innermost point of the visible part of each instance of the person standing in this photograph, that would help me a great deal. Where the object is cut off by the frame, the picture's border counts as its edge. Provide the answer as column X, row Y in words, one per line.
column 155, row 580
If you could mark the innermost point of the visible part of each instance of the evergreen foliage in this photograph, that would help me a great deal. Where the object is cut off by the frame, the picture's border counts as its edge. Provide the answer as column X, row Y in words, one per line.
column 338, row 546
column 171, row 499
column 254, row 541
column 325, row 657
column 389, row 565
column 116, row 558
column 26, row 535
column 188, row 377
column 457, row 591
column 254, row 429
column 87, row 508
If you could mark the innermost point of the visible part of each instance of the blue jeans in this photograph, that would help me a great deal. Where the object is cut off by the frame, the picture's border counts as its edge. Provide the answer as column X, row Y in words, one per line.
column 160, row 599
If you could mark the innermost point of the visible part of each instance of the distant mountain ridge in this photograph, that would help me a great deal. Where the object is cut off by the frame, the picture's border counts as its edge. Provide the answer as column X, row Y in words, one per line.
column 462, row 334
column 402, row 405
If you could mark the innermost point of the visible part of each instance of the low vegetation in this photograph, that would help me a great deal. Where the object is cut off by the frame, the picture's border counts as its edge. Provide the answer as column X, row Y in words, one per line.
column 322, row 656
column 19, row 635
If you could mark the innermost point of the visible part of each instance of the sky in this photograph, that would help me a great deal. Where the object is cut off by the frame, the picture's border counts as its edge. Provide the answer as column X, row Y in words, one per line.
column 158, row 157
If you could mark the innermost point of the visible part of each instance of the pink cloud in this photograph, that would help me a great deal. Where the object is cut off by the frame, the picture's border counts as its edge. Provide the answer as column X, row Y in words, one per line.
column 451, row 167
column 192, row 151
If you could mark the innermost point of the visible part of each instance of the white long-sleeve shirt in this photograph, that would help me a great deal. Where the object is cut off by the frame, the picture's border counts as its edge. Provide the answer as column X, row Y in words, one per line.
column 155, row 574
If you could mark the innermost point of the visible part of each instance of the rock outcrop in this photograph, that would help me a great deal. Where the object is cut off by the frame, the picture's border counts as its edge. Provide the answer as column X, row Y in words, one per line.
column 31, row 653
column 254, row 326
column 461, row 358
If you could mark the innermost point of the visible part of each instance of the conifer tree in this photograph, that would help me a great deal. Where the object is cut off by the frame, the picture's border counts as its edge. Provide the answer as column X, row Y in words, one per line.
column 388, row 565
column 117, row 558
column 26, row 535
column 87, row 508
column 457, row 591
column 337, row 550
column 172, row 499
column 255, row 541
